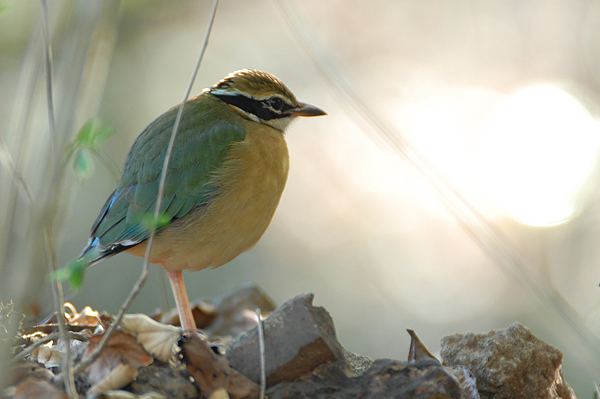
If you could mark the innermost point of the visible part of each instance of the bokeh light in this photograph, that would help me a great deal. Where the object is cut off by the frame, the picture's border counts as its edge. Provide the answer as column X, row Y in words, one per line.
column 537, row 154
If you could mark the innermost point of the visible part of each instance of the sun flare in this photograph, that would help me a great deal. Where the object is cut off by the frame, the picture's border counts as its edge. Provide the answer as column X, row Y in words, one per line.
column 537, row 155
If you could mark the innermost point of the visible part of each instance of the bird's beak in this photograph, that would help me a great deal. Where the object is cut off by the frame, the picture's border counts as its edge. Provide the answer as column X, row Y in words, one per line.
column 307, row 110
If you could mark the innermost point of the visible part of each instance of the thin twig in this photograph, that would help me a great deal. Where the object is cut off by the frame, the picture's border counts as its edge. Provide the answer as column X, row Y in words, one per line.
column 164, row 172
column 261, row 354
column 48, row 236
column 8, row 162
column 124, row 308
column 60, row 304
column 109, row 164
column 48, row 70
column 145, row 268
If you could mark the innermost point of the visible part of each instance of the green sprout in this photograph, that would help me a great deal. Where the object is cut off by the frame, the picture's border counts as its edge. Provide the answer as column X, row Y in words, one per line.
column 73, row 273
column 87, row 144
column 148, row 221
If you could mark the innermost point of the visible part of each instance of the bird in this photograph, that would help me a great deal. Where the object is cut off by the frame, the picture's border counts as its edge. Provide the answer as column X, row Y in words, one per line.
column 227, row 172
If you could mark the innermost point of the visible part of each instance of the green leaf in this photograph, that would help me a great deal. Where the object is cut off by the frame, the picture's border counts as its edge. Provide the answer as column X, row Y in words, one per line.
column 148, row 221
column 83, row 165
column 86, row 133
column 101, row 135
column 88, row 142
column 92, row 135
column 73, row 273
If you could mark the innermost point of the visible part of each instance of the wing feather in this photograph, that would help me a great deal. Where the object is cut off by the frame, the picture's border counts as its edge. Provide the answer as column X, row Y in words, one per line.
column 201, row 147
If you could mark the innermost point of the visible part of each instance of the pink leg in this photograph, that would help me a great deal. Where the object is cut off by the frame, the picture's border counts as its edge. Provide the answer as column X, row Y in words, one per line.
column 181, row 299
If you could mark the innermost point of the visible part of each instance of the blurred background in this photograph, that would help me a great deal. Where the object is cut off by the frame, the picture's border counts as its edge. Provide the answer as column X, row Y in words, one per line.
column 495, row 100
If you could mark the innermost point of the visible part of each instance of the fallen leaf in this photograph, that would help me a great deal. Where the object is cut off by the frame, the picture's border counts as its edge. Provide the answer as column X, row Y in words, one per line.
column 203, row 312
column 156, row 338
column 122, row 349
column 210, row 371
column 219, row 394
column 117, row 378
column 25, row 369
column 418, row 351
column 35, row 388
column 120, row 394
column 47, row 355
column 235, row 311
column 86, row 318
column 241, row 387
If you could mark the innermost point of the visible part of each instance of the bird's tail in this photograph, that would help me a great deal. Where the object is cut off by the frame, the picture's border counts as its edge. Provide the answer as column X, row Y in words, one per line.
column 92, row 253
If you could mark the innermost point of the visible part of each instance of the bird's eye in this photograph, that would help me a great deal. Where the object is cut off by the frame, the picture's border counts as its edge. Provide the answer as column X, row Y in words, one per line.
column 276, row 103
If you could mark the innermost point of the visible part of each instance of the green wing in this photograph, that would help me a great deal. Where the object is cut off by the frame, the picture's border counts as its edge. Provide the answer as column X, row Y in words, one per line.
column 201, row 145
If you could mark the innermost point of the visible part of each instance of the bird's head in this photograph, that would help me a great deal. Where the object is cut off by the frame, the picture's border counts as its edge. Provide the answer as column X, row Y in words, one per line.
column 262, row 97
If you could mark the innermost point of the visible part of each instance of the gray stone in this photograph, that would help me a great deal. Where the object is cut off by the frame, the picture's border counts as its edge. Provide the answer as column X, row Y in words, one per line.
column 393, row 379
column 509, row 363
column 298, row 338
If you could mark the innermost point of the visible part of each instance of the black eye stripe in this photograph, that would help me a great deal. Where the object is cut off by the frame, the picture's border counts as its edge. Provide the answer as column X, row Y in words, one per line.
column 261, row 108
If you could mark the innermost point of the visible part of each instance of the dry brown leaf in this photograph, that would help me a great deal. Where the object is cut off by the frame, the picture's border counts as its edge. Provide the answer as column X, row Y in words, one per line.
column 117, row 378
column 418, row 351
column 241, row 387
column 219, row 394
column 86, row 318
column 121, row 349
column 157, row 339
column 47, row 355
column 233, row 317
column 210, row 371
column 35, row 388
column 27, row 369
column 120, row 394
column 203, row 312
